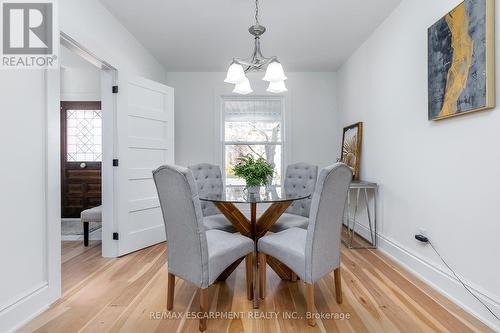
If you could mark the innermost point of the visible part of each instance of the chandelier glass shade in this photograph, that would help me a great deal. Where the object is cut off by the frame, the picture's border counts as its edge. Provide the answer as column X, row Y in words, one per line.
column 236, row 74
column 277, row 87
column 243, row 88
column 274, row 72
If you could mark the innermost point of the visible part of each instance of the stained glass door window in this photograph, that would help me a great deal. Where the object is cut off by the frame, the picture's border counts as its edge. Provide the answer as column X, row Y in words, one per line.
column 83, row 136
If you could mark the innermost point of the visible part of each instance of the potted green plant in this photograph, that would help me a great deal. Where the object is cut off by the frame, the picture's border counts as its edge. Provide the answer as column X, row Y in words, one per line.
column 255, row 172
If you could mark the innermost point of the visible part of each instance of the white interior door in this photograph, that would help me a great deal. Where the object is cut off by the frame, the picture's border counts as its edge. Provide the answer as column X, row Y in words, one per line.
column 145, row 141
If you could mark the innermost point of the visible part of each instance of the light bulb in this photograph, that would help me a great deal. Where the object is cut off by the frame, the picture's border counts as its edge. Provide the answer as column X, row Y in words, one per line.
column 277, row 87
column 243, row 88
column 274, row 72
column 235, row 74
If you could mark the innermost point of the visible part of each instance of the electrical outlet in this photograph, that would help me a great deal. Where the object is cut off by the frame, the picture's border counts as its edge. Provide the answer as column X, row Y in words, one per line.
column 422, row 231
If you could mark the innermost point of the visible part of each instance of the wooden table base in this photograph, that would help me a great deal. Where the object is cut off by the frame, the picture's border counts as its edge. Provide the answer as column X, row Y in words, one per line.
column 255, row 229
column 227, row 272
column 281, row 269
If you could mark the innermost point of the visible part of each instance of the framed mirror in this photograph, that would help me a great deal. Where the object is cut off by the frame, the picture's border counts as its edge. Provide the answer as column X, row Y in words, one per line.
column 351, row 147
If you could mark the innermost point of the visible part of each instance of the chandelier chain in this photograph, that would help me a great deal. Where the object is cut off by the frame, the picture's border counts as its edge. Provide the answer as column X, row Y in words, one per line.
column 257, row 12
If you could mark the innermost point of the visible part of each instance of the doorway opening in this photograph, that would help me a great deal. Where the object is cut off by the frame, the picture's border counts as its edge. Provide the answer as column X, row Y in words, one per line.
column 81, row 147
column 87, row 108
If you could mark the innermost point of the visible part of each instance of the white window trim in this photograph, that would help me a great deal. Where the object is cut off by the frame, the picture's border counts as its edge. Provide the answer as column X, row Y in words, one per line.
column 220, row 133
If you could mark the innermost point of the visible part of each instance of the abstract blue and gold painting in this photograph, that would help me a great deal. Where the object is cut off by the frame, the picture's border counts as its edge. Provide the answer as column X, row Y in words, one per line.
column 461, row 61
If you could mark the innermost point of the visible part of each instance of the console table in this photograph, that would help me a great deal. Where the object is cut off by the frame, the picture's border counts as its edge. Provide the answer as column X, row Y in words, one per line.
column 361, row 188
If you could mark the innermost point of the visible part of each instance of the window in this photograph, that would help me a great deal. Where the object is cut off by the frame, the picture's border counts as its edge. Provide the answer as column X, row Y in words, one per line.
column 253, row 127
column 84, row 137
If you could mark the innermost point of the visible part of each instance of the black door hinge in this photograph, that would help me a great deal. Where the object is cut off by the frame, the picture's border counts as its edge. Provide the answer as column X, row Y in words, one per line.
column 115, row 236
column 115, row 90
column 115, row 162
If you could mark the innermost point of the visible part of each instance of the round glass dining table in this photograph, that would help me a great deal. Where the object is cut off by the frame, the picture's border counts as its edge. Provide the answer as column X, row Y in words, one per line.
column 230, row 204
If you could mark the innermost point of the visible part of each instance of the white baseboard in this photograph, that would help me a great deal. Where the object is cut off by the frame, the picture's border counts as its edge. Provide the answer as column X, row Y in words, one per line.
column 13, row 316
column 440, row 279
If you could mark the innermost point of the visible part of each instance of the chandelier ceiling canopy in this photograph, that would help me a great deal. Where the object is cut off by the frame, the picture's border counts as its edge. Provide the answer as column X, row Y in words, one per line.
column 236, row 74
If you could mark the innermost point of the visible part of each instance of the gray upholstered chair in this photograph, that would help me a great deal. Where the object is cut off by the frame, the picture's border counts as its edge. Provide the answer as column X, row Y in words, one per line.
column 195, row 254
column 314, row 252
column 208, row 178
column 300, row 179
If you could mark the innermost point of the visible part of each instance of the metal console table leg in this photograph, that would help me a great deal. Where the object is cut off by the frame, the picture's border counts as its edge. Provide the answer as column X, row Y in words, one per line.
column 351, row 221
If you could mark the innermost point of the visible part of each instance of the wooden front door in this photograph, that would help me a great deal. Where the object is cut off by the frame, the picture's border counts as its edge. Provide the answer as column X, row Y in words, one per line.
column 81, row 155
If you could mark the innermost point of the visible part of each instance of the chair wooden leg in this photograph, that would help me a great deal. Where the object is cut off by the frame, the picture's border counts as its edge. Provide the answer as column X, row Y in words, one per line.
column 171, row 288
column 310, row 303
column 262, row 275
column 85, row 233
column 249, row 272
column 338, row 285
column 203, row 308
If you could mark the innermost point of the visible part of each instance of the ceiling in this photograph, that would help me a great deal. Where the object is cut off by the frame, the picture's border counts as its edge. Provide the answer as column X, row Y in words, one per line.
column 204, row 35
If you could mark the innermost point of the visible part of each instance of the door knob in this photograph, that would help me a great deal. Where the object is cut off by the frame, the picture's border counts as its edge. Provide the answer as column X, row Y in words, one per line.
column 83, row 165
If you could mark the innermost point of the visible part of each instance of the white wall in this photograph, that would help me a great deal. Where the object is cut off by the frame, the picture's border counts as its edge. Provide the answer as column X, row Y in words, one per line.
column 80, row 84
column 310, row 106
column 80, row 80
column 93, row 26
column 440, row 176
column 23, row 239
column 25, row 254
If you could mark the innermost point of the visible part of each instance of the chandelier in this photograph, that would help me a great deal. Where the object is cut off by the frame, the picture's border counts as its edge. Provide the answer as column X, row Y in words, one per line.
column 236, row 74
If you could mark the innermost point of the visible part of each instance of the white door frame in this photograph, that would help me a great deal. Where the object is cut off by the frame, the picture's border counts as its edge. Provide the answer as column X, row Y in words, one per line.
column 53, row 184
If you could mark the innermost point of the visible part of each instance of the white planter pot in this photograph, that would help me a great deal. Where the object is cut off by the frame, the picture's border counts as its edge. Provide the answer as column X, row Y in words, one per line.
column 253, row 190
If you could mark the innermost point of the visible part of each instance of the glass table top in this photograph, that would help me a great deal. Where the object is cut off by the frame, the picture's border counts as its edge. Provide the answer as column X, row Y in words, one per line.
column 241, row 195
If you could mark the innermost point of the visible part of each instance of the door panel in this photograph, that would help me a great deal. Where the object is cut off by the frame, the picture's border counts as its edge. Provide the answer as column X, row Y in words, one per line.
column 145, row 141
column 81, row 153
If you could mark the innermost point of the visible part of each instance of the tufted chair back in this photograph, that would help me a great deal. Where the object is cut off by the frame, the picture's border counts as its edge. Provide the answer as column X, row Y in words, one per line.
column 300, row 180
column 208, row 178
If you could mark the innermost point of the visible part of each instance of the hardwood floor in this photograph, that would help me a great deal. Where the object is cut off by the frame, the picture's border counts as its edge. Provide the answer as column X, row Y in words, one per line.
column 129, row 294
